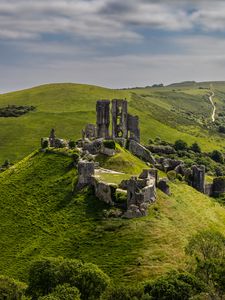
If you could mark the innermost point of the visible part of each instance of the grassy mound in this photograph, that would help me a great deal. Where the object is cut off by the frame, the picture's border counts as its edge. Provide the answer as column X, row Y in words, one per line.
column 40, row 216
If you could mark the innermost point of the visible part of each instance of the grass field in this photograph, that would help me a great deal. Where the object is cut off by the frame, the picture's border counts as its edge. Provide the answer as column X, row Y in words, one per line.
column 178, row 111
column 42, row 217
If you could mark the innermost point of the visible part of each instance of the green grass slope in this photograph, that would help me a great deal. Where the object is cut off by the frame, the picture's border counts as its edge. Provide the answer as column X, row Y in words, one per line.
column 173, row 112
column 65, row 107
column 41, row 217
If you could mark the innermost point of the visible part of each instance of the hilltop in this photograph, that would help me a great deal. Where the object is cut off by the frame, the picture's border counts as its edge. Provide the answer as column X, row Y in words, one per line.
column 181, row 111
column 43, row 217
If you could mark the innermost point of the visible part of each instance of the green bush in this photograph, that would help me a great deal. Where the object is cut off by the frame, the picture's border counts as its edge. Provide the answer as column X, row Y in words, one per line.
column 11, row 289
column 15, row 110
column 222, row 129
column 120, row 197
column 172, row 175
column 196, row 148
column 122, row 293
column 48, row 273
column 207, row 250
column 180, row 145
column 217, row 156
column 72, row 144
column 174, row 286
column 109, row 144
column 91, row 282
column 63, row 292
column 44, row 144
column 179, row 177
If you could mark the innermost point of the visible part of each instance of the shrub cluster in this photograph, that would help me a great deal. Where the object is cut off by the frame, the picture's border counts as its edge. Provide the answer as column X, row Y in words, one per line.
column 15, row 111
column 53, row 276
column 109, row 144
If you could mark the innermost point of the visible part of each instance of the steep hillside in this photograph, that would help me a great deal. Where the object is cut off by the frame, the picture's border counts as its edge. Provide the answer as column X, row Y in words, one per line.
column 178, row 111
column 41, row 217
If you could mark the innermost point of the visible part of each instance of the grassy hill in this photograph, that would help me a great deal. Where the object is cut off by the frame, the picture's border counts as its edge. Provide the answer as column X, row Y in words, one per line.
column 177, row 111
column 42, row 217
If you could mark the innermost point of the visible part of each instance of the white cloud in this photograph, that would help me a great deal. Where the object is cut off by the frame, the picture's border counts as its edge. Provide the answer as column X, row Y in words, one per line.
column 106, row 19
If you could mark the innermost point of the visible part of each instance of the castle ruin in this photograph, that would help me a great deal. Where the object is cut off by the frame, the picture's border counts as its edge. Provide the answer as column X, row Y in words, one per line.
column 114, row 113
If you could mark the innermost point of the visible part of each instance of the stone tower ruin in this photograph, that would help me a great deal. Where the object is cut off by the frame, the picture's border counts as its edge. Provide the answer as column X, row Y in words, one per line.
column 103, row 118
column 119, row 118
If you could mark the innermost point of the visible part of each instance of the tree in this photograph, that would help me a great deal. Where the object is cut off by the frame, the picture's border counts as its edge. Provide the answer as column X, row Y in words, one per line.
column 180, row 145
column 72, row 144
column 11, row 289
column 44, row 144
column 217, row 156
column 123, row 293
column 174, row 286
column 208, row 250
column 196, row 148
column 91, row 282
column 63, row 292
column 46, row 274
column 207, row 244
column 222, row 129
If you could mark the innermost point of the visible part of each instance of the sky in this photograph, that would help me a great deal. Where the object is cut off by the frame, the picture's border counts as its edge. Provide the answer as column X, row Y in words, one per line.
column 111, row 43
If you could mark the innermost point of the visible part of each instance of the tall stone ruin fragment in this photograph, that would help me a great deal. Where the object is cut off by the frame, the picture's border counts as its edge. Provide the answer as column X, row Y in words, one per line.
column 52, row 138
column 119, row 118
column 103, row 118
column 133, row 127
column 198, row 178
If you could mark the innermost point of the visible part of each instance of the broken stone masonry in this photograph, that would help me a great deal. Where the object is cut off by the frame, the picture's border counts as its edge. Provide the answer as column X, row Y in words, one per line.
column 53, row 141
column 140, row 191
column 124, row 125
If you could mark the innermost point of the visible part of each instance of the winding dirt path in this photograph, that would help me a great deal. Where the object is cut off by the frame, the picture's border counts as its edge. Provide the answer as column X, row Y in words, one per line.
column 213, row 105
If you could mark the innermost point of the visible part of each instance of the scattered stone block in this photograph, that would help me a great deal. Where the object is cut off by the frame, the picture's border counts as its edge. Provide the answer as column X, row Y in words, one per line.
column 164, row 186
column 140, row 151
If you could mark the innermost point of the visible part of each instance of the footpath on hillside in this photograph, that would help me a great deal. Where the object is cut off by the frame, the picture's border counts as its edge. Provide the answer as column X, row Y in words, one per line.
column 213, row 105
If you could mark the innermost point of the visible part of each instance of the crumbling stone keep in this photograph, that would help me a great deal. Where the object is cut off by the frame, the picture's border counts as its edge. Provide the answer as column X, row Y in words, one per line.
column 103, row 118
column 119, row 118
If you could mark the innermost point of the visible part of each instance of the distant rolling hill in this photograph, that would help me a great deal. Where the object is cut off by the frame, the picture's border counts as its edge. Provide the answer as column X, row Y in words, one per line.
column 177, row 111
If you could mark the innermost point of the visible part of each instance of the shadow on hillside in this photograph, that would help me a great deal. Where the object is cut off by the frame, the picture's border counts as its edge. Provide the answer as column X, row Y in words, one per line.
column 93, row 206
column 65, row 201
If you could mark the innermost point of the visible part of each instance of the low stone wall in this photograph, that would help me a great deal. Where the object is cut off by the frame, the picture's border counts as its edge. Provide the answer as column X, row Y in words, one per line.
column 104, row 191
